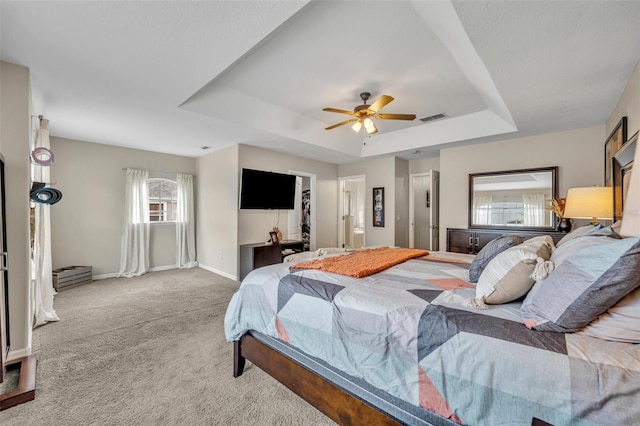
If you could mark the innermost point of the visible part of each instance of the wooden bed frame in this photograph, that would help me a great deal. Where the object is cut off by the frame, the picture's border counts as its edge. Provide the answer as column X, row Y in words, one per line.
column 340, row 406
column 335, row 403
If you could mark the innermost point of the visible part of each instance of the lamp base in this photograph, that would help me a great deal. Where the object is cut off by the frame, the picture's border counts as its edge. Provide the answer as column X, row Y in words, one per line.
column 565, row 224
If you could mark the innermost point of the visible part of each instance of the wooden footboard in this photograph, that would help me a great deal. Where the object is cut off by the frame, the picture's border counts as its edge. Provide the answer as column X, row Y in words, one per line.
column 334, row 402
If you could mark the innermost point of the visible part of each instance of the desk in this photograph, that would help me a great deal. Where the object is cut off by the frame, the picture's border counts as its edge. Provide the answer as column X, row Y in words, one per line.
column 253, row 256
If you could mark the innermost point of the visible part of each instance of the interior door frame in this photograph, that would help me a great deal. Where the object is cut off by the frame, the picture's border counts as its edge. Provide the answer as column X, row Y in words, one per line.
column 434, row 214
column 314, row 207
column 341, row 181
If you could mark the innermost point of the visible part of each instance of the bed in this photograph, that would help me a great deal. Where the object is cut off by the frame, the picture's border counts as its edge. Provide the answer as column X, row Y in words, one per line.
column 405, row 346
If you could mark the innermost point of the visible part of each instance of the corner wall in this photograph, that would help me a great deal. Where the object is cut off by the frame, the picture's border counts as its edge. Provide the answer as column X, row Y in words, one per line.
column 222, row 227
column 217, row 212
column 15, row 118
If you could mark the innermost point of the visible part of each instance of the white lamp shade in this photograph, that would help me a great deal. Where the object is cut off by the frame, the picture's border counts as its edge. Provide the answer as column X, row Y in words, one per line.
column 357, row 126
column 595, row 202
column 631, row 213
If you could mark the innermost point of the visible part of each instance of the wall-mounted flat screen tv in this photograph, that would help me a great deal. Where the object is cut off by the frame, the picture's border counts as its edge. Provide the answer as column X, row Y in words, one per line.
column 262, row 190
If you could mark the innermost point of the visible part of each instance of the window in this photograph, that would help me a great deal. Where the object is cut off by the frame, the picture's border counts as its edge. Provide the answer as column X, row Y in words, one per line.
column 163, row 200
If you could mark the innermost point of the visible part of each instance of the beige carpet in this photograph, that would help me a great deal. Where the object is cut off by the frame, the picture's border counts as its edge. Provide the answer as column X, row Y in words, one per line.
column 150, row 351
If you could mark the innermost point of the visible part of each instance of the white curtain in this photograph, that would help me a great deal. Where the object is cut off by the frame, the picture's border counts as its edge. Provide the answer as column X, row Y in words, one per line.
column 134, row 251
column 482, row 210
column 534, row 209
column 185, row 224
column 41, row 277
column 295, row 215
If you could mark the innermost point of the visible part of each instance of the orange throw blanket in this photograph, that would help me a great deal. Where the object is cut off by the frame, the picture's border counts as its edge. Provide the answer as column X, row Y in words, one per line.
column 364, row 262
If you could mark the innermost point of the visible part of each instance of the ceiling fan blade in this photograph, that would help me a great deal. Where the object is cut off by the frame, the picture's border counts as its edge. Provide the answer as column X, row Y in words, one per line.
column 380, row 103
column 341, row 124
column 339, row 111
column 396, row 116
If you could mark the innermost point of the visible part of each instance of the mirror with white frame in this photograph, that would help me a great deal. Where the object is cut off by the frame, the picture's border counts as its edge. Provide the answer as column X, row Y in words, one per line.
column 513, row 199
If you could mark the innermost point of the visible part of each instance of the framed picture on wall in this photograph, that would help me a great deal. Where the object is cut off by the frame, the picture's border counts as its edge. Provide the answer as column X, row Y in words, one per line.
column 378, row 207
column 622, row 165
column 612, row 145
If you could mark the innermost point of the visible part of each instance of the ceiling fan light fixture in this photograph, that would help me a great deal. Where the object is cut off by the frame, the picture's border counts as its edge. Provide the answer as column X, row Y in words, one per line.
column 357, row 126
column 369, row 126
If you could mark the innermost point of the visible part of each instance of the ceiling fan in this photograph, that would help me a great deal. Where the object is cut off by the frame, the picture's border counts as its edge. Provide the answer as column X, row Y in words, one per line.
column 364, row 114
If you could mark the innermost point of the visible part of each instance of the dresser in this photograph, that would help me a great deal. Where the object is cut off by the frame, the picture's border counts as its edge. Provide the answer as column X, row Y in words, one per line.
column 253, row 256
column 471, row 241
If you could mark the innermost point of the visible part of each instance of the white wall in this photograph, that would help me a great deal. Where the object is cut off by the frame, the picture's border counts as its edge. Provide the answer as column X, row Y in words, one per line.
column 87, row 223
column 217, row 211
column 578, row 153
column 379, row 172
column 15, row 117
column 222, row 227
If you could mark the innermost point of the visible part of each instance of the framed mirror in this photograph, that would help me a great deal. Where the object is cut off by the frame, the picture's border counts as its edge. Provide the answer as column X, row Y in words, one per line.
column 513, row 199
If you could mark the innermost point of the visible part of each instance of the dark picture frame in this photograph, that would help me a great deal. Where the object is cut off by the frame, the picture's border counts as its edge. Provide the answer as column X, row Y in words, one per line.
column 274, row 237
column 378, row 207
column 622, row 165
column 612, row 145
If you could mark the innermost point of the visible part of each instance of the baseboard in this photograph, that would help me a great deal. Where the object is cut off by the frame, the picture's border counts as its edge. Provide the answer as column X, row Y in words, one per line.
column 17, row 354
column 216, row 271
column 162, row 268
column 104, row 276
column 115, row 274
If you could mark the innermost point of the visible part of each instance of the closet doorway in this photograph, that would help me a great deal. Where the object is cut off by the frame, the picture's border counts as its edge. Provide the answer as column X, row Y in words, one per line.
column 423, row 210
column 302, row 219
column 351, row 211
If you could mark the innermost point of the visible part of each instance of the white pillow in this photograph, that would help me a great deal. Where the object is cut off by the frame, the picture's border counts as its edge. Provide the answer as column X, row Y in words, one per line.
column 304, row 255
column 508, row 276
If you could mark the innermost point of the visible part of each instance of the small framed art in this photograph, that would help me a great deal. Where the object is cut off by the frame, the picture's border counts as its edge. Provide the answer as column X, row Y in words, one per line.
column 378, row 207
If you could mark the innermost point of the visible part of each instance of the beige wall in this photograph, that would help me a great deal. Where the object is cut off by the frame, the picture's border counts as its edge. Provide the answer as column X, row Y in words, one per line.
column 217, row 211
column 253, row 226
column 424, row 165
column 86, row 225
column 578, row 153
column 15, row 117
column 379, row 172
column 628, row 105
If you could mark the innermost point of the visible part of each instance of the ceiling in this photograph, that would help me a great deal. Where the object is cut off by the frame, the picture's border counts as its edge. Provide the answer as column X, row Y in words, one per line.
column 177, row 76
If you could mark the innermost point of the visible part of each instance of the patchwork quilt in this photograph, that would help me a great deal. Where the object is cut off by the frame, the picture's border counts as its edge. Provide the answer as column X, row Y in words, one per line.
column 406, row 331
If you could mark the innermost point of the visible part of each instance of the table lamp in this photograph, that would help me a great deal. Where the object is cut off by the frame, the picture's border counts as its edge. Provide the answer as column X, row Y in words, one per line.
column 594, row 202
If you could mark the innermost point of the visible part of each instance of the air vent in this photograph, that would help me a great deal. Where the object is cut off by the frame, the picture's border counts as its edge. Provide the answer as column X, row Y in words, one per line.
column 433, row 117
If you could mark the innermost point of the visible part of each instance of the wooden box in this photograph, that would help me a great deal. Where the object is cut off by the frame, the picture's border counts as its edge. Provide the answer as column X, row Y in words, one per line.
column 71, row 276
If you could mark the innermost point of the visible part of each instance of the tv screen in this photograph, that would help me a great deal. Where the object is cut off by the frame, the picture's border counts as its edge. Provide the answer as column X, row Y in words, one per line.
column 267, row 190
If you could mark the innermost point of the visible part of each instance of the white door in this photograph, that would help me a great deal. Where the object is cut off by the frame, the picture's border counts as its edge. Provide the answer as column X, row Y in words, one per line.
column 423, row 210
column 351, row 232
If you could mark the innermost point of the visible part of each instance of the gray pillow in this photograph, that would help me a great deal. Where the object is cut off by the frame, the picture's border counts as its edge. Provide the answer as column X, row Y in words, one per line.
column 488, row 252
column 578, row 232
column 591, row 275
